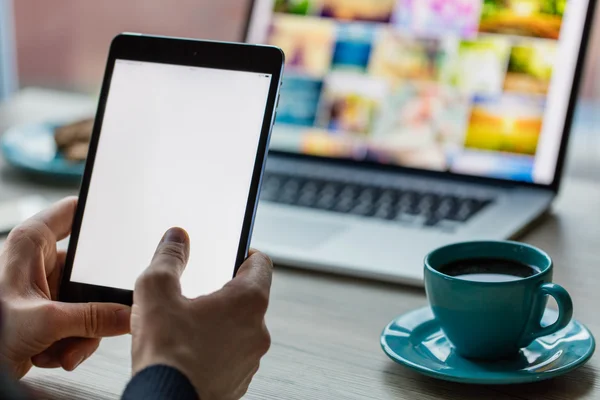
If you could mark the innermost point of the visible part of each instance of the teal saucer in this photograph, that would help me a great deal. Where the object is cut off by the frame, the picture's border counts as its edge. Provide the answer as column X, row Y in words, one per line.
column 416, row 341
column 31, row 148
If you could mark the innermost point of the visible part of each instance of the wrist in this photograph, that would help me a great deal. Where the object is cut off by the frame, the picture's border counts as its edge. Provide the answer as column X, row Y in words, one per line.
column 154, row 361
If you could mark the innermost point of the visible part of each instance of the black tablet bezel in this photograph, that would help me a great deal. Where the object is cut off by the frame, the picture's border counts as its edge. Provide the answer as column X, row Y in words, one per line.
column 188, row 52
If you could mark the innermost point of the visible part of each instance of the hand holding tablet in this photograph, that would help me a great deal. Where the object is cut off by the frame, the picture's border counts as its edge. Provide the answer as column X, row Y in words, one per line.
column 217, row 340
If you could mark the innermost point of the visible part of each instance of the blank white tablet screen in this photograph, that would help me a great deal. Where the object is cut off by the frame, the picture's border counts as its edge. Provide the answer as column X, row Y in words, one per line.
column 177, row 148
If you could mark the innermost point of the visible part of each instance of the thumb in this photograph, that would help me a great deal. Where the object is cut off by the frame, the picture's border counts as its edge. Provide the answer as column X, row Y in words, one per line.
column 161, row 278
column 91, row 320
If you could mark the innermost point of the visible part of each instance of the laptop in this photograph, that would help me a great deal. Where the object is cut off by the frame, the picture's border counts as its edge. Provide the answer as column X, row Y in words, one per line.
column 405, row 125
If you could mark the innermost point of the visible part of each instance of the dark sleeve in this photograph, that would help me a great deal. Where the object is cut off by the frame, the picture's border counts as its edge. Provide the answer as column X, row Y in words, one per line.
column 160, row 382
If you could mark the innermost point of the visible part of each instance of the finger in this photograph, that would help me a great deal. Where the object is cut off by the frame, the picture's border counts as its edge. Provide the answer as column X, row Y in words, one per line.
column 47, row 360
column 67, row 353
column 55, row 275
column 251, row 286
column 256, row 271
column 90, row 320
column 172, row 253
column 79, row 350
column 61, row 257
column 59, row 217
column 40, row 233
column 169, row 262
column 50, row 358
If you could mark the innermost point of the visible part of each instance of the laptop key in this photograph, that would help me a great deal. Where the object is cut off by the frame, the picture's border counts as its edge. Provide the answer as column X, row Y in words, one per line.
column 325, row 202
column 367, row 196
column 411, row 210
column 362, row 210
column 310, row 187
column 349, row 192
column 402, row 216
column 344, row 205
column 432, row 220
column 287, row 198
column 387, row 196
column 446, row 206
column 307, row 199
column 427, row 204
column 268, row 195
column 383, row 212
column 330, row 190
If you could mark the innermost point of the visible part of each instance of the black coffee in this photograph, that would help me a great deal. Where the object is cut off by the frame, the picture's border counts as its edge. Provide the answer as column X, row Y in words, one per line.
column 488, row 270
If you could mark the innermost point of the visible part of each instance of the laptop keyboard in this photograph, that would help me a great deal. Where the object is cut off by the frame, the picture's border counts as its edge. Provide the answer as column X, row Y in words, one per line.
column 408, row 206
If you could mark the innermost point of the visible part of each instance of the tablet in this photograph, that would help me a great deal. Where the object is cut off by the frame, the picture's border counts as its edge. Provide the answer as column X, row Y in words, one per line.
column 180, row 139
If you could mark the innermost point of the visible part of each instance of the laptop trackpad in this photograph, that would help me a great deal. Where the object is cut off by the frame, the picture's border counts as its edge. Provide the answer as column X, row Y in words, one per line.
column 293, row 231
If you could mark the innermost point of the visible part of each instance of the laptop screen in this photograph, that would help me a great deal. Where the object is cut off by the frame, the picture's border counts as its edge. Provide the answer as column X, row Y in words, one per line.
column 473, row 87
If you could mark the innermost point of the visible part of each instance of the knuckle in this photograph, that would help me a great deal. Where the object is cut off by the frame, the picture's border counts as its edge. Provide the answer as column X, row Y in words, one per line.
column 174, row 250
column 263, row 259
column 91, row 319
column 49, row 309
column 30, row 232
column 264, row 342
column 48, row 315
column 154, row 280
column 143, row 281
column 18, row 233
column 254, row 297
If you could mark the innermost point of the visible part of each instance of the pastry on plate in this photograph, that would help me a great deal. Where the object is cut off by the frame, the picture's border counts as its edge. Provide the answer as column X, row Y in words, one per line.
column 73, row 139
column 79, row 131
column 77, row 151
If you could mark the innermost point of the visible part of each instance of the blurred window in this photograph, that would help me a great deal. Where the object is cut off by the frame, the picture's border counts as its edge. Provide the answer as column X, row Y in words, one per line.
column 63, row 43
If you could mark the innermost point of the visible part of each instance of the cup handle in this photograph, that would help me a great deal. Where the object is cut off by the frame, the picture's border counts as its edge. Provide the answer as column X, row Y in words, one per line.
column 565, row 310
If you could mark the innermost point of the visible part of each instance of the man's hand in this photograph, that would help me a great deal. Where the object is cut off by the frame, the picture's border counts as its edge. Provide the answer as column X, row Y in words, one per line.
column 36, row 328
column 217, row 341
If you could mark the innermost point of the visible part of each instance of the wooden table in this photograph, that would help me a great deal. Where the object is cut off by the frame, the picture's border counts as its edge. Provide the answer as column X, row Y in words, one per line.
column 326, row 328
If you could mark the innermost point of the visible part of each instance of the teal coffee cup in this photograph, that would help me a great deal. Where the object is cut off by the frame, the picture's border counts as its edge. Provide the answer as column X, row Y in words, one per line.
column 489, row 297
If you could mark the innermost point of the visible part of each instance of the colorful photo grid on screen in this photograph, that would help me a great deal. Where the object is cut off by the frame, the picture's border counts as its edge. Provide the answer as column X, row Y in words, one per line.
column 447, row 85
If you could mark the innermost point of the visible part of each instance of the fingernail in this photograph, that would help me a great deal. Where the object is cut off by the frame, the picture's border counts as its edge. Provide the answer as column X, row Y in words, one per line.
column 175, row 235
column 79, row 362
column 42, row 359
column 123, row 317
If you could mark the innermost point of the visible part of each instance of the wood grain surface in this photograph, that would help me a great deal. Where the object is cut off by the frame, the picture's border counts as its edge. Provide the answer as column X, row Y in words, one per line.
column 326, row 328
